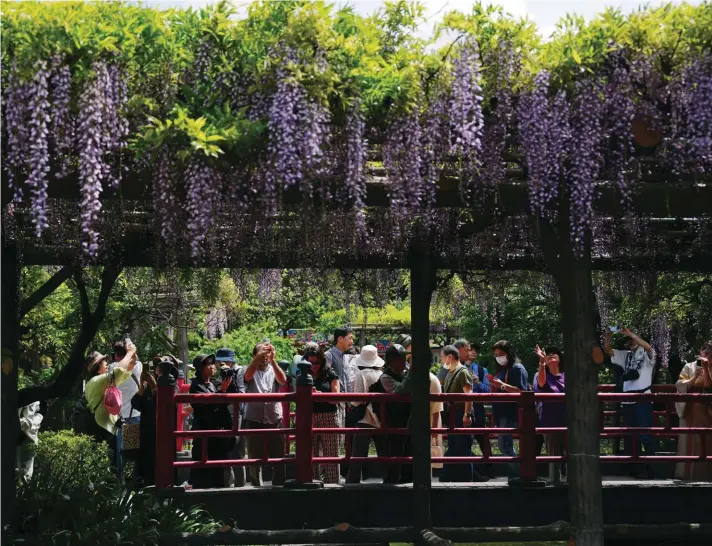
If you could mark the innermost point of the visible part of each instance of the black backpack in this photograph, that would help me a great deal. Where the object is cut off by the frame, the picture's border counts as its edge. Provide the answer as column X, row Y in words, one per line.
column 82, row 418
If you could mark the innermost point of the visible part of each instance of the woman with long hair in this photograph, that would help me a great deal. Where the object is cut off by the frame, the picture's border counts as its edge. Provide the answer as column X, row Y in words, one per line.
column 323, row 413
column 511, row 377
column 695, row 377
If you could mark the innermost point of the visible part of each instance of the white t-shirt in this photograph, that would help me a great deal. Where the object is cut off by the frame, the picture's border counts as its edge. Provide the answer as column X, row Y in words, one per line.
column 639, row 361
column 128, row 389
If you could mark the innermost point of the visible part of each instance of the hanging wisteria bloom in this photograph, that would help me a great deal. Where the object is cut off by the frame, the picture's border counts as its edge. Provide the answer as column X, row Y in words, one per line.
column 436, row 136
column 692, row 117
column 355, row 177
column 165, row 199
column 202, row 185
column 661, row 340
column 269, row 283
column 38, row 158
column 466, row 118
column 402, row 160
column 586, row 158
column 545, row 135
column 15, row 108
column 92, row 165
column 61, row 120
column 619, row 121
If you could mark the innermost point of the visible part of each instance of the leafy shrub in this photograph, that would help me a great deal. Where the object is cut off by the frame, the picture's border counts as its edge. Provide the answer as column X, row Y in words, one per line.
column 102, row 515
column 74, row 498
column 65, row 460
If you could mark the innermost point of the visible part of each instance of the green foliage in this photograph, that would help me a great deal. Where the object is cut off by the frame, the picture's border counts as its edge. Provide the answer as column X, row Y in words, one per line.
column 242, row 340
column 74, row 498
column 65, row 461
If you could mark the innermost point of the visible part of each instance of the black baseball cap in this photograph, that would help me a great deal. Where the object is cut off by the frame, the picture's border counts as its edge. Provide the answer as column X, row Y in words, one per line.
column 201, row 361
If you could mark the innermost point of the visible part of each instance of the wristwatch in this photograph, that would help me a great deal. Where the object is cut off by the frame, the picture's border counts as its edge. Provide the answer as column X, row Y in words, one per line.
column 502, row 388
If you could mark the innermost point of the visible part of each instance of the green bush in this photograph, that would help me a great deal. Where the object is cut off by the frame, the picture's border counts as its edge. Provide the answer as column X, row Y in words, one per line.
column 65, row 460
column 74, row 498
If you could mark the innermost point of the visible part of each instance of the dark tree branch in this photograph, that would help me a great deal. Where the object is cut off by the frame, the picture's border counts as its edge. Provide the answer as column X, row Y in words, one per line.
column 83, row 296
column 54, row 282
column 91, row 322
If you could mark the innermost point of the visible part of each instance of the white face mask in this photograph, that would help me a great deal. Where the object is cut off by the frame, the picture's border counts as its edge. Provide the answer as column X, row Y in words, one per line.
column 502, row 360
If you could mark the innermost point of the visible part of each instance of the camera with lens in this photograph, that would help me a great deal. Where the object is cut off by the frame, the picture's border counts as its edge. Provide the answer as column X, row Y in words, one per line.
column 226, row 373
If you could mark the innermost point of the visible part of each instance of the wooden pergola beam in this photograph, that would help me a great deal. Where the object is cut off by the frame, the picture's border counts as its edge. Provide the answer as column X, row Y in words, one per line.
column 662, row 197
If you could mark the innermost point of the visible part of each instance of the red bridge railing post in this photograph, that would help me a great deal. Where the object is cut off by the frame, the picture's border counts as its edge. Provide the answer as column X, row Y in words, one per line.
column 527, row 437
column 179, row 412
column 165, row 445
column 304, row 474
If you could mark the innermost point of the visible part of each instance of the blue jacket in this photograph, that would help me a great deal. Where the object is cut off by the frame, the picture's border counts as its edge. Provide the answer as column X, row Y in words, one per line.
column 478, row 410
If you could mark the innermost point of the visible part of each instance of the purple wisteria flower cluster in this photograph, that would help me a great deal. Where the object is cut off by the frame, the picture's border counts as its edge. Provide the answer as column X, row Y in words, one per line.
column 38, row 157
column 61, row 121
column 402, row 160
column 691, row 119
column 660, row 340
column 355, row 175
column 466, row 118
column 545, row 135
column 165, row 199
column 17, row 132
column 202, row 186
column 298, row 129
column 586, row 158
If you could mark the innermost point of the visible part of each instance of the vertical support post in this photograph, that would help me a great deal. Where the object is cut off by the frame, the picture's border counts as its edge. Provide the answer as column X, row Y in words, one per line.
column 286, row 419
column 527, row 437
column 179, row 413
column 303, row 441
column 10, row 359
column 165, row 453
column 423, row 273
column 183, row 348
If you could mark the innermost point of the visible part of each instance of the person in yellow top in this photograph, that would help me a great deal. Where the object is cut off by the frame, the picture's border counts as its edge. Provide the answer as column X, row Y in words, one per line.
column 99, row 379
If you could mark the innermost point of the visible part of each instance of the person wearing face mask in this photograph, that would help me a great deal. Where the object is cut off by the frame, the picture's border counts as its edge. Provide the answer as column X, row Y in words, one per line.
column 638, row 369
column 512, row 378
column 550, row 378
column 458, row 381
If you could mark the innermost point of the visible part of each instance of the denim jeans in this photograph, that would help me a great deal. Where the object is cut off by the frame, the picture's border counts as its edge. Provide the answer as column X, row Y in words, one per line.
column 506, row 443
column 639, row 414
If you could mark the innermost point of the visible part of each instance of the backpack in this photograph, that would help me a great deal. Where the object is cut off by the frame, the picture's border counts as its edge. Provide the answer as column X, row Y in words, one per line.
column 397, row 413
column 113, row 399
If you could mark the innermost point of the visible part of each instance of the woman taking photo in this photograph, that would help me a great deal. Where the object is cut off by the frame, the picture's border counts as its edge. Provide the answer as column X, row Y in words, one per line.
column 323, row 414
column 695, row 377
column 550, row 378
column 99, row 379
column 209, row 417
column 512, row 377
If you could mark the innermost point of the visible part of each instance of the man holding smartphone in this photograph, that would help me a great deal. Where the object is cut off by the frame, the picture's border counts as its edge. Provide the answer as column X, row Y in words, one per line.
column 638, row 370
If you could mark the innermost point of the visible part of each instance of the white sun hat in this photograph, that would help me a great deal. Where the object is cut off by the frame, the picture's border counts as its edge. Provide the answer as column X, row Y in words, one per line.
column 368, row 358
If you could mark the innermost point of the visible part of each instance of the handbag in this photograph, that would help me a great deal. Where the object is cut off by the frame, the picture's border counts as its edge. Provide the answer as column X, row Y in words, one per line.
column 355, row 414
column 131, row 433
column 436, row 451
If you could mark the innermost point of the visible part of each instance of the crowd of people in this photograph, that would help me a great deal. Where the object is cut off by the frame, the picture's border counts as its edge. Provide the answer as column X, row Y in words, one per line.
column 341, row 368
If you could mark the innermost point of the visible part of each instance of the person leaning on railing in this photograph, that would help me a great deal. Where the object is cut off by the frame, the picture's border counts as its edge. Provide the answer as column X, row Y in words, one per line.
column 695, row 377
column 209, row 417
column 638, row 372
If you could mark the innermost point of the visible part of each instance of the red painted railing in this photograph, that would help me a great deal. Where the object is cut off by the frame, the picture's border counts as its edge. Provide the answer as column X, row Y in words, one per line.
column 168, row 403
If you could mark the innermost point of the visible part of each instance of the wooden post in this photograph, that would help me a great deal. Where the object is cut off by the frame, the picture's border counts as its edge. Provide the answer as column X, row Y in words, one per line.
column 573, row 278
column 422, row 272
column 304, row 472
column 165, row 446
column 10, row 359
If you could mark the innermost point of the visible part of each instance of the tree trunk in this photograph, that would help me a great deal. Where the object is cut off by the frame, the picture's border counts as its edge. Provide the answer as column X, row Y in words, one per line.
column 584, row 470
column 422, row 285
column 573, row 278
column 10, row 359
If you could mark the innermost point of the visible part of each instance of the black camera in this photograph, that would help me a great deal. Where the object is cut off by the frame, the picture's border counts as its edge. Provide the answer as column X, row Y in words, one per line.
column 226, row 373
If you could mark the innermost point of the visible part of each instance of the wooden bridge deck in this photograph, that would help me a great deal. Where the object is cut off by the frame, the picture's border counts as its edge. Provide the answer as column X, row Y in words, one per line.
column 494, row 503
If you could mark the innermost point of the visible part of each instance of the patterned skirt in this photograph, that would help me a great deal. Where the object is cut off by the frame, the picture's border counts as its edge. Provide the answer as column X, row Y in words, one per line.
column 326, row 445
